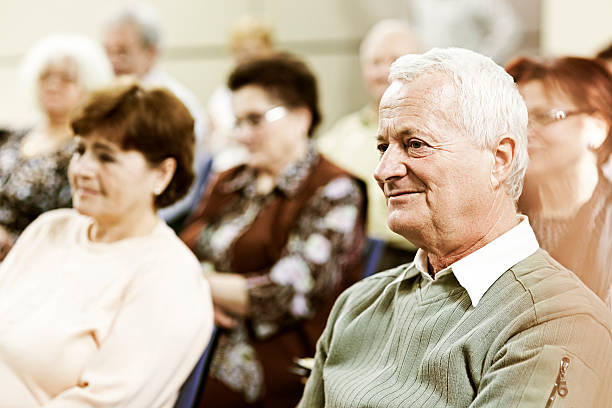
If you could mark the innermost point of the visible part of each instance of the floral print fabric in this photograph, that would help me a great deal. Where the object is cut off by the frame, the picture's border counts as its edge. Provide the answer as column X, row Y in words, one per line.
column 310, row 268
column 30, row 186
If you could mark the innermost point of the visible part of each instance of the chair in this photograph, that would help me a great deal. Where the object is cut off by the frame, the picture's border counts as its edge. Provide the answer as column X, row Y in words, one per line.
column 373, row 252
column 189, row 393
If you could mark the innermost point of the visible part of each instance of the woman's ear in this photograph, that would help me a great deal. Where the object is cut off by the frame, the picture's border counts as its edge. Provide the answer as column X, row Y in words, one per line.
column 305, row 118
column 165, row 171
column 596, row 131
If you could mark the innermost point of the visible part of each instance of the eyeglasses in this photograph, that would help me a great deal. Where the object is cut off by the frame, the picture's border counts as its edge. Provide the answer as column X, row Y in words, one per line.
column 63, row 77
column 255, row 119
column 544, row 118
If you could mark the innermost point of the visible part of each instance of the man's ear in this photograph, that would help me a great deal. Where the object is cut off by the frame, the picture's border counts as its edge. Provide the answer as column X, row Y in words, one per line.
column 504, row 155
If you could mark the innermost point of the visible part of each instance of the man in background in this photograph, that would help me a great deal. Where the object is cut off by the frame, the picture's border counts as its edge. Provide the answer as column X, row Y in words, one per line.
column 351, row 142
column 132, row 41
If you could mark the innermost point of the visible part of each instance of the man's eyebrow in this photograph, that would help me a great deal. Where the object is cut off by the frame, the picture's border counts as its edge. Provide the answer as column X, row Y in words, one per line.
column 380, row 139
column 401, row 134
column 406, row 132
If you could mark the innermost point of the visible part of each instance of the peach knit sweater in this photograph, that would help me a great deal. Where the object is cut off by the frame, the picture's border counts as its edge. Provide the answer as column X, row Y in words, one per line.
column 85, row 324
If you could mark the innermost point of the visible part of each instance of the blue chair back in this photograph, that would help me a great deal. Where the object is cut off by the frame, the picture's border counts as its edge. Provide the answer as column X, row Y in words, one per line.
column 189, row 393
column 373, row 252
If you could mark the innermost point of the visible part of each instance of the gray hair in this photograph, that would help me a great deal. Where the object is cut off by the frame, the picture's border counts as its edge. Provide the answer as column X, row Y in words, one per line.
column 93, row 67
column 489, row 104
column 384, row 28
column 145, row 18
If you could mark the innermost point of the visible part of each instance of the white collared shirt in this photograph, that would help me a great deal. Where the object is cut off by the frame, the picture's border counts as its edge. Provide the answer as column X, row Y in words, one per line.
column 477, row 271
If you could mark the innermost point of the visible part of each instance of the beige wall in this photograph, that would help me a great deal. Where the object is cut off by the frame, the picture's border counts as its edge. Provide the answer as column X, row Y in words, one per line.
column 571, row 27
column 325, row 32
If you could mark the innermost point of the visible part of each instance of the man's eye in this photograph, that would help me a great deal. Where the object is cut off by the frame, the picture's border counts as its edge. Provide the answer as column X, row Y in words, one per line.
column 382, row 147
column 415, row 144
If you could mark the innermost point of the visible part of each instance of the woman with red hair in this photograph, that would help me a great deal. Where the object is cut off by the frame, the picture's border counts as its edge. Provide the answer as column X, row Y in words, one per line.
column 565, row 195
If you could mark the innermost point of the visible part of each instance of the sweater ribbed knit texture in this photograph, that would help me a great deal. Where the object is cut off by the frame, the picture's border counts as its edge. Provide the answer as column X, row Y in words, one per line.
column 409, row 342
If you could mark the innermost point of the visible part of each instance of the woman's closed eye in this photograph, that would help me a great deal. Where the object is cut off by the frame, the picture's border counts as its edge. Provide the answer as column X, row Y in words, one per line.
column 106, row 158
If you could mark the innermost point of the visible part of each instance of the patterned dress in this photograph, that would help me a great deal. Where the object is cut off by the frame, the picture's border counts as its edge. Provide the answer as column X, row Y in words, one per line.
column 30, row 186
column 297, row 246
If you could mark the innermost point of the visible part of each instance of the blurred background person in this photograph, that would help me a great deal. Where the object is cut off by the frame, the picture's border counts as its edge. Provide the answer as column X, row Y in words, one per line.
column 249, row 37
column 57, row 73
column 490, row 27
column 132, row 39
column 102, row 305
column 567, row 199
column 280, row 236
column 605, row 56
column 351, row 142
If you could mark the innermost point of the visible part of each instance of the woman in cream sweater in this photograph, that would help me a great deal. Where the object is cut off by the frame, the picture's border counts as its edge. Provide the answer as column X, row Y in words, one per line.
column 102, row 305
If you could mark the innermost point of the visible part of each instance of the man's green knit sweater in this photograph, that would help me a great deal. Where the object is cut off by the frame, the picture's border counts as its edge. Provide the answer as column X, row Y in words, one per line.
column 538, row 336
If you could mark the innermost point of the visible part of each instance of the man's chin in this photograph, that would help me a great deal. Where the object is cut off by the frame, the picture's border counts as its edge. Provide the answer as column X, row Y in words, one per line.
column 400, row 223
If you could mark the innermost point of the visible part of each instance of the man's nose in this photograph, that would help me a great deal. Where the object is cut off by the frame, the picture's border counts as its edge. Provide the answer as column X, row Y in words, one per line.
column 390, row 166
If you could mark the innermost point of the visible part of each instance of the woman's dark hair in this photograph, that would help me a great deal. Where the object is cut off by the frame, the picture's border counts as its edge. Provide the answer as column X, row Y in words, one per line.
column 606, row 53
column 284, row 77
column 586, row 82
column 152, row 121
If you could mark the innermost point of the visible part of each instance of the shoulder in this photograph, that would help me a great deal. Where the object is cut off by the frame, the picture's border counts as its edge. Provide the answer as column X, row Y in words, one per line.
column 349, row 120
column 58, row 220
column 335, row 137
column 556, row 292
column 366, row 291
column 357, row 119
column 167, row 266
column 171, row 253
column 12, row 137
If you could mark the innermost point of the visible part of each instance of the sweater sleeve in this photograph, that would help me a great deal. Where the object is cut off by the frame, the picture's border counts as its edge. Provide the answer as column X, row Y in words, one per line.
column 152, row 346
column 314, row 391
column 554, row 360
column 327, row 237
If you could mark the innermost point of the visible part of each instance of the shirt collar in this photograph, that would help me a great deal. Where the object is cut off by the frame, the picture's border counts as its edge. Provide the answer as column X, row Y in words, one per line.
column 477, row 271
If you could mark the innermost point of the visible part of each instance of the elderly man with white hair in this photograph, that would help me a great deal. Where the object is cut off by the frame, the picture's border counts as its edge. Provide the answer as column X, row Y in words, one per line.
column 351, row 142
column 483, row 317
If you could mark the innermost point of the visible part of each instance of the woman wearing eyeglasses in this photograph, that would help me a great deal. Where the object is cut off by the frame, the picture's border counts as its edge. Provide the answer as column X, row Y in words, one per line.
column 57, row 74
column 567, row 198
column 279, row 237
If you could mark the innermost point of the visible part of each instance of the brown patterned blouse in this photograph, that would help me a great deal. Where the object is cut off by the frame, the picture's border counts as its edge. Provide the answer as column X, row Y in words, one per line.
column 30, row 186
column 297, row 246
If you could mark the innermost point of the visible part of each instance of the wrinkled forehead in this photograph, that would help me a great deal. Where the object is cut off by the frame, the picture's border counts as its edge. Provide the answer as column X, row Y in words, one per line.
column 427, row 104
column 430, row 92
